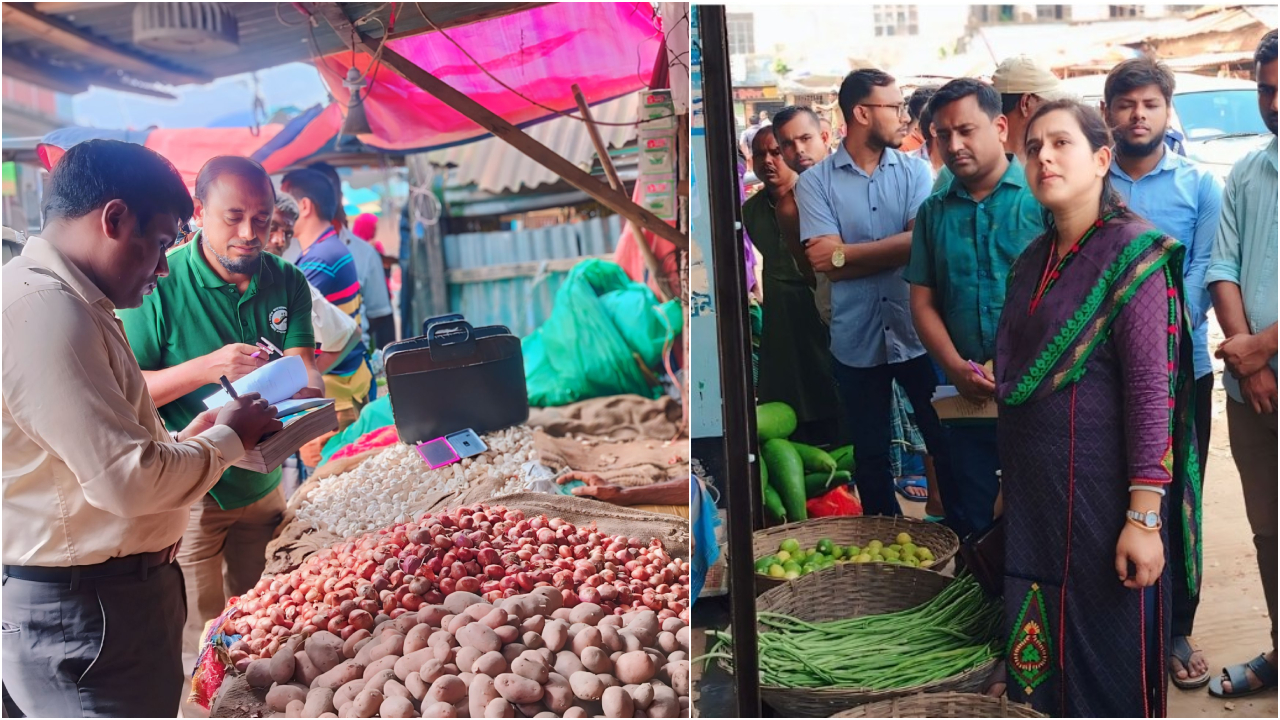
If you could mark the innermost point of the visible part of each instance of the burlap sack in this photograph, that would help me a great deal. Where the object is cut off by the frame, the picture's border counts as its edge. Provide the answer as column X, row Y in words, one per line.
column 626, row 463
column 618, row 417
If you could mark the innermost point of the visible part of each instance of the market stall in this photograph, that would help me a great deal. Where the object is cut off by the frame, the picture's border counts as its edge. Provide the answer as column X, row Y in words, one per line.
column 410, row 558
column 811, row 609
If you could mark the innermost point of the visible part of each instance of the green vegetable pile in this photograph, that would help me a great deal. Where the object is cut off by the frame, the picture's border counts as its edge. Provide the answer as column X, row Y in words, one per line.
column 954, row 632
column 793, row 472
column 791, row 561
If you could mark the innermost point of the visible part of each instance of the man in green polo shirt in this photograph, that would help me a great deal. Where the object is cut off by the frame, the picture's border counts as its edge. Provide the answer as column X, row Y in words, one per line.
column 967, row 235
column 203, row 321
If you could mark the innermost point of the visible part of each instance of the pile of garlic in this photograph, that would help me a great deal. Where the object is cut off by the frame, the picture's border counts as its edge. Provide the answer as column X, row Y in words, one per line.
column 381, row 490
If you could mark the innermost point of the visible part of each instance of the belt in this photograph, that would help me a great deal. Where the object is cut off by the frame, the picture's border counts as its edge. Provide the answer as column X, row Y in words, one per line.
column 141, row 563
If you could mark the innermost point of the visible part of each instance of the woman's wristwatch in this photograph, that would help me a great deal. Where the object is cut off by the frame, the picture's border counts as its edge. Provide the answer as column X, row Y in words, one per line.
column 1149, row 520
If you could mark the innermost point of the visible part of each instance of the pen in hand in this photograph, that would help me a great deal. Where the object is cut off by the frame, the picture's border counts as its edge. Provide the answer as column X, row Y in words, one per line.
column 226, row 385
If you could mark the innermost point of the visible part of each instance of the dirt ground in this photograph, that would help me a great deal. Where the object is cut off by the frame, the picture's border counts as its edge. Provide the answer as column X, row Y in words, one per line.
column 1232, row 623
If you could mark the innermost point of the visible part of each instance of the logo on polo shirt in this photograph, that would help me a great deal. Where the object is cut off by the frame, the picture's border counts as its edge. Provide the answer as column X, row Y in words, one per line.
column 280, row 319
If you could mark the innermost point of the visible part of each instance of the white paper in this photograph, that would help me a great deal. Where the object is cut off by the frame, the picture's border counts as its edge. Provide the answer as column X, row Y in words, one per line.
column 285, row 408
column 276, row 381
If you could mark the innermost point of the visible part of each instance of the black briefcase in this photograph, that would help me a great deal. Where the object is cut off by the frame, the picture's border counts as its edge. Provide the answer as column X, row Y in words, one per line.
column 456, row 377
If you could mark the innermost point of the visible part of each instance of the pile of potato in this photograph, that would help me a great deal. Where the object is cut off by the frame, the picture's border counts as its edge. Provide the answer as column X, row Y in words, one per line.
column 523, row 656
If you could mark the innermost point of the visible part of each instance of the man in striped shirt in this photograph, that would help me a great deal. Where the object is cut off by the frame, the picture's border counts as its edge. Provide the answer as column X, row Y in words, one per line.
column 329, row 266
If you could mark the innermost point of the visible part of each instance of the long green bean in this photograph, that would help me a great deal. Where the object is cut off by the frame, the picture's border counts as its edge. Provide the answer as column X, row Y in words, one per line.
column 953, row 632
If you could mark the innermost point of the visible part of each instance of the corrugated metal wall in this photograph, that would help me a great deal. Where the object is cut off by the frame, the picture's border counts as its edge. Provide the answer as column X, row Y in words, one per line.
column 521, row 304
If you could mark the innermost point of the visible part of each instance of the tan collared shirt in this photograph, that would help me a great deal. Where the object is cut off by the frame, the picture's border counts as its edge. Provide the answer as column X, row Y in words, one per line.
column 90, row 472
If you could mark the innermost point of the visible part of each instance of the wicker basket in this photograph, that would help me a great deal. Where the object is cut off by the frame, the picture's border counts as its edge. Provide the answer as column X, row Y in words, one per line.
column 847, row 591
column 940, row 540
column 943, row 705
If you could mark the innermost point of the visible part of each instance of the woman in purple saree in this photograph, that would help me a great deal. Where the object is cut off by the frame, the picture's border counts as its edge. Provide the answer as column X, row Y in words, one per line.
column 1097, row 450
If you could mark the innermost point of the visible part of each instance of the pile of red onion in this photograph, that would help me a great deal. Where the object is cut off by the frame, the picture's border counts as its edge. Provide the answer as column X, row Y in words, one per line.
column 491, row 551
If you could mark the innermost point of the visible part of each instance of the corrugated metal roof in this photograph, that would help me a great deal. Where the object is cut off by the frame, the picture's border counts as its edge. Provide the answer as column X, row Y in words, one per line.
column 1224, row 20
column 494, row 166
column 521, row 304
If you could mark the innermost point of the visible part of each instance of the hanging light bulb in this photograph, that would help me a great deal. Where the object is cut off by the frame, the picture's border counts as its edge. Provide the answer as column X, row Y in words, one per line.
column 356, row 122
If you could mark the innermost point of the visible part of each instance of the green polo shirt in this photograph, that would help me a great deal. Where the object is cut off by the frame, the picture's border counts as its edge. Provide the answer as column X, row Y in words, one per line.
column 963, row 249
column 193, row 312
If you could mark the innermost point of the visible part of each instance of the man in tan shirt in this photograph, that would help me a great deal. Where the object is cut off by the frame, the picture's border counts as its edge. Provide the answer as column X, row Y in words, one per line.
column 96, row 491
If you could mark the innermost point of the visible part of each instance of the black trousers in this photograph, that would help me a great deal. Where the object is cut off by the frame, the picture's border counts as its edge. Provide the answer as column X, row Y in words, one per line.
column 867, row 395
column 1184, row 605
column 107, row 648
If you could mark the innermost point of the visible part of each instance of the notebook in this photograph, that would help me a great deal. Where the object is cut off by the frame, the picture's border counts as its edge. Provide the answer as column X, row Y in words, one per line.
column 952, row 406
column 304, row 420
column 276, row 381
column 300, row 428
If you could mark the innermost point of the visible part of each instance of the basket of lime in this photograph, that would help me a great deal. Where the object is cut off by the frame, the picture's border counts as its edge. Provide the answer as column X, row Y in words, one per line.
column 790, row 551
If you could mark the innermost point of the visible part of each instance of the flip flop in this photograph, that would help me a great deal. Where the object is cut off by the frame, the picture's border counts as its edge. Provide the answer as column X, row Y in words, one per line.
column 915, row 481
column 1181, row 649
column 935, row 518
column 1264, row 670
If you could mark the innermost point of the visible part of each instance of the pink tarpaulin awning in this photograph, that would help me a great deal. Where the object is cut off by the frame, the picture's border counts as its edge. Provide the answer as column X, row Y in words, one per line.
column 187, row 148
column 608, row 49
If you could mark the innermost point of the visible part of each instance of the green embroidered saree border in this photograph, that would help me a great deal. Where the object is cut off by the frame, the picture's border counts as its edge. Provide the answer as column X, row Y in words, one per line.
column 1074, row 327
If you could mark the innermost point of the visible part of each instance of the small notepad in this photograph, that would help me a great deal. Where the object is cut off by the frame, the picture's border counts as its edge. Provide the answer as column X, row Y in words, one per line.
column 276, row 381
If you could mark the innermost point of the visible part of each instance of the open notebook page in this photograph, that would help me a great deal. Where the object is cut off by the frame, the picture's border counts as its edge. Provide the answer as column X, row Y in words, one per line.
column 276, row 381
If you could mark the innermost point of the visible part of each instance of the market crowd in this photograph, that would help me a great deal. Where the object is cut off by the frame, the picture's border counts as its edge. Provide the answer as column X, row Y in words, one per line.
column 126, row 527
column 1054, row 261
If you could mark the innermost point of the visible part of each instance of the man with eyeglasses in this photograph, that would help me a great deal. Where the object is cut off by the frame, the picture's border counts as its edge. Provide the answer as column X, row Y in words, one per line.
column 857, row 211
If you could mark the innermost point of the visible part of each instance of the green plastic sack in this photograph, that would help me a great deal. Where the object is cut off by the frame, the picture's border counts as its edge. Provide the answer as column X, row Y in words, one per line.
column 600, row 323
column 376, row 414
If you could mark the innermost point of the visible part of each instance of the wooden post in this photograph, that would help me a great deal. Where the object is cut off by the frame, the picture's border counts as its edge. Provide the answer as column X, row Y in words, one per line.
column 512, row 135
column 650, row 260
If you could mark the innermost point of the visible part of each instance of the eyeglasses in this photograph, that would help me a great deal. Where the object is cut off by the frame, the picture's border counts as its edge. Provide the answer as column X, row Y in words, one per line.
column 900, row 108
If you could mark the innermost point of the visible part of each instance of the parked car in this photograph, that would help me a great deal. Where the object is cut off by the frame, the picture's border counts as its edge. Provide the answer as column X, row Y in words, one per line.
column 1216, row 118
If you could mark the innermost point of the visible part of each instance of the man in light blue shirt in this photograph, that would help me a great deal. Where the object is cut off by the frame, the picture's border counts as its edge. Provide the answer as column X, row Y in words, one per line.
column 1182, row 200
column 857, row 209
column 1242, row 280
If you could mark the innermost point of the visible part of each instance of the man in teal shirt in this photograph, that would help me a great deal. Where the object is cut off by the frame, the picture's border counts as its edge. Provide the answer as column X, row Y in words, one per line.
column 1242, row 280
column 202, row 322
column 966, row 237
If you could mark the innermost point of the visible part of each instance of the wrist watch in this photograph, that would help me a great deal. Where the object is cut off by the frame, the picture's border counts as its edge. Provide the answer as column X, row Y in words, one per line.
column 1149, row 520
column 837, row 257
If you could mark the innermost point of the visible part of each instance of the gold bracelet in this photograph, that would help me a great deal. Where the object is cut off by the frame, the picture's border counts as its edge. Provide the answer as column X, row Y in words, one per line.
column 1135, row 523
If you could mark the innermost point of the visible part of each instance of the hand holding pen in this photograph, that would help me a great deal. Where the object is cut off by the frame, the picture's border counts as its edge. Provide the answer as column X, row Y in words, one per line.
column 974, row 382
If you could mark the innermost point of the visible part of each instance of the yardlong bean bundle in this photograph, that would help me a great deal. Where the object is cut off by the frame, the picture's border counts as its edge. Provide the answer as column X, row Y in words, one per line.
column 954, row 632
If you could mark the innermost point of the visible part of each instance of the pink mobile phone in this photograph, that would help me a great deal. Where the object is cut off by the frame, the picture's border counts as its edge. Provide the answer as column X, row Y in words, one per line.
column 437, row 453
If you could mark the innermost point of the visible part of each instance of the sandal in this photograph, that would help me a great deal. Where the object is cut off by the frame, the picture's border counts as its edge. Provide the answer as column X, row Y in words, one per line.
column 912, row 481
column 1265, row 672
column 1181, row 650
column 935, row 518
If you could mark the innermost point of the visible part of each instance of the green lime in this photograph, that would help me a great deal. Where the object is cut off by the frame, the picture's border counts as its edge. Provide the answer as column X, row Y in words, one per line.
column 912, row 562
column 792, row 575
column 837, row 552
column 776, row 571
column 862, row 558
column 910, row 549
column 875, row 545
column 762, row 565
column 896, row 547
column 826, row 547
column 903, row 538
column 853, row 550
column 783, row 556
column 791, row 565
column 925, row 553
column 791, row 545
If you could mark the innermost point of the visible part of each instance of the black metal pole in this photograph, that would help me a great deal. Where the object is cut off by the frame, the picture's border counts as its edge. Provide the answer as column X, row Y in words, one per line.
column 741, row 482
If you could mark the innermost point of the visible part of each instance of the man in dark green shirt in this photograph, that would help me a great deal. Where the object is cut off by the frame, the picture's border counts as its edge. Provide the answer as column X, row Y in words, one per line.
column 204, row 321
